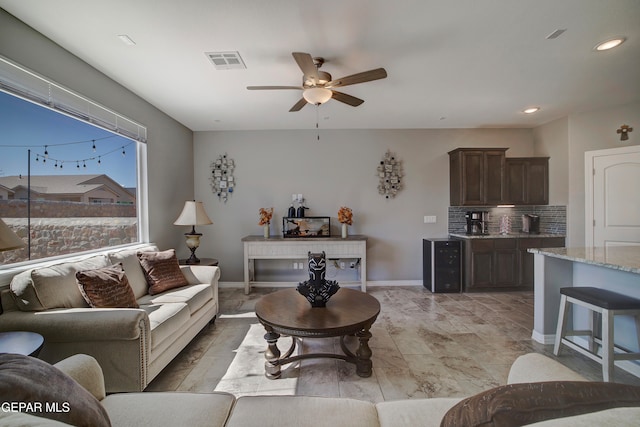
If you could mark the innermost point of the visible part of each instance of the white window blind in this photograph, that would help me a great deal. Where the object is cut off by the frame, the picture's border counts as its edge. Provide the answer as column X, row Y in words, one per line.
column 26, row 84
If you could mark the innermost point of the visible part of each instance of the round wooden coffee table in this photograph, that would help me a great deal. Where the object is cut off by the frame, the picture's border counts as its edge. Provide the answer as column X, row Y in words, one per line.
column 348, row 312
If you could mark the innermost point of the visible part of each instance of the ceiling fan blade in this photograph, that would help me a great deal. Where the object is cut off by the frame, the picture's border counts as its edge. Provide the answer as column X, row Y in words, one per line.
column 298, row 105
column 347, row 99
column 273, row 87
column 365, row 76
column 306, row 64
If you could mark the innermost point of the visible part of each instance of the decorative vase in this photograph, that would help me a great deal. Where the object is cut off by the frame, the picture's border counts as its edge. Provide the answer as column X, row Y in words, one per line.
column 265, row 228
column 344, row 230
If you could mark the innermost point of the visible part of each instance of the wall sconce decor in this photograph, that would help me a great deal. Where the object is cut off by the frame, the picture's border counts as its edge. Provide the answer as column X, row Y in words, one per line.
column 389, row 175
column 222, row 181
column 624, row 132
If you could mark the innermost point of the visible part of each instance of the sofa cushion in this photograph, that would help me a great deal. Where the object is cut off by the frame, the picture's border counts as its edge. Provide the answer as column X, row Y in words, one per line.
column 427, row 412
column 54, row 286
column 260, row 411
column 526, row 403
column 132, row 268
column 169, row 409
column 48, row 392
column 165, row 320
column 195, row 296
column 161, row 270
column 106, row 287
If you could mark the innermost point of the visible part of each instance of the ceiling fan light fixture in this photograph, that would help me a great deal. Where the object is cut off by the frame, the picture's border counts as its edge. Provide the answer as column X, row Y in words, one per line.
column 316, row 95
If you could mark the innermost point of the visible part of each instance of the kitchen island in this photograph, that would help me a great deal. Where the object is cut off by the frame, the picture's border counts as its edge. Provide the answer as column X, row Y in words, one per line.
column 614, row 268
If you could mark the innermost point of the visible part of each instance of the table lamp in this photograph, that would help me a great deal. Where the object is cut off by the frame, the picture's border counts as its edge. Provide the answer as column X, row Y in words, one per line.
column 8, row 239
column 193, row 214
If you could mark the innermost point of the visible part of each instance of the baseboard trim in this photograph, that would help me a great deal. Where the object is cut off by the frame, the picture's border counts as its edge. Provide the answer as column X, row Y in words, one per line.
column 543, row 339
column 289, row 284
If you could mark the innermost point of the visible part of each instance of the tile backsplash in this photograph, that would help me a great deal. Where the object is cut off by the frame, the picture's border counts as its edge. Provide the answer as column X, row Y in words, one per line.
column 553, row 219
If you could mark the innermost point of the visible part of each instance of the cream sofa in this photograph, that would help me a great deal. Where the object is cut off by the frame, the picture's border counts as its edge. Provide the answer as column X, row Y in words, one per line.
column 131, row 345
column 222, row 409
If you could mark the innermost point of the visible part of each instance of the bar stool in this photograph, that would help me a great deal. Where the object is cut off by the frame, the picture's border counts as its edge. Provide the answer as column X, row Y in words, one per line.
column 601, row 302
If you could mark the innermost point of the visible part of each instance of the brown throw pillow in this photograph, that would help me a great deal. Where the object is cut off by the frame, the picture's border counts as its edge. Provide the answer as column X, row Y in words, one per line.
column 106, row 287
column 527, row 403
column 162, row 270
column 45, row 391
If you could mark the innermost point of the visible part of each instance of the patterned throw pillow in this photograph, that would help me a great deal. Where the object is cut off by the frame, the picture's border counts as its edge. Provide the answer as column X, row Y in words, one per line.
column 106, row 287
column 32, row 386
column 527, row 403
column 162, row 271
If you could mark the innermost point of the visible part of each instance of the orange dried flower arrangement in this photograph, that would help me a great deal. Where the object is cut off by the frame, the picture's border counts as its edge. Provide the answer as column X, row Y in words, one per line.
column 345, row 215
column 265, row 216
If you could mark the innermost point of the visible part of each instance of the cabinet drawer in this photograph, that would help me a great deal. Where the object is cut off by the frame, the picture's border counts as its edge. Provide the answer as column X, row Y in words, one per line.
column 505, row 243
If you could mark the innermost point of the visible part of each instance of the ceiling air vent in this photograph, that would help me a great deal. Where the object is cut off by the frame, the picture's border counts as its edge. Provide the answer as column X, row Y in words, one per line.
column 226, row 60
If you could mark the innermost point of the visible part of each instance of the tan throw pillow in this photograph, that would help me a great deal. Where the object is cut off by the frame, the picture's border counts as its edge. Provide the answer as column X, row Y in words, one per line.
column 162, row 270
column 528, row 403
column 106, row 287
column 45, row 391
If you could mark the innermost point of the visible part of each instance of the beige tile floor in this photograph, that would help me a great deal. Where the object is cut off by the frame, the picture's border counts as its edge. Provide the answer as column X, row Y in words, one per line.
column 424, row 345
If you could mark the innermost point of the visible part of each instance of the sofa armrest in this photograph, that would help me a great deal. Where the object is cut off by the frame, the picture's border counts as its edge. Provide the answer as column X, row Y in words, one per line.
column 86, row 371
column 535, row 367
column 79, row 324
column 197, row 274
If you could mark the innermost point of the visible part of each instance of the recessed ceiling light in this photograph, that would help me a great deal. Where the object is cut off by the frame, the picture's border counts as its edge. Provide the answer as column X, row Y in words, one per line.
column 610, row 44
column 126, row 39
column 531, row 110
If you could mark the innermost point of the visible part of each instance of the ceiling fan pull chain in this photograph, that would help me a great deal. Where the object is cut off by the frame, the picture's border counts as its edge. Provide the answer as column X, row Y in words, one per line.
column 317, row 120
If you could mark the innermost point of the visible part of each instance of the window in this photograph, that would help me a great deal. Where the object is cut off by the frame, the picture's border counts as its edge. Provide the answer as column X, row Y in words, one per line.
column 70, row 176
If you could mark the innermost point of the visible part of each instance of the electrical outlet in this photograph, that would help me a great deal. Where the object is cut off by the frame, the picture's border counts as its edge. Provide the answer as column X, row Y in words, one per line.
column 429, row 219
column 294, row 197
column 342, row 264
column 300, row 199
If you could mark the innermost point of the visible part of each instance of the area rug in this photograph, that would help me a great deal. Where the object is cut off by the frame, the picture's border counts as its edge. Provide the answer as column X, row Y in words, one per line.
column 245, row 375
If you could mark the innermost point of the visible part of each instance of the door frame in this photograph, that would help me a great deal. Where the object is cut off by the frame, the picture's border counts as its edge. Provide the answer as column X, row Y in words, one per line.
column 589, row 170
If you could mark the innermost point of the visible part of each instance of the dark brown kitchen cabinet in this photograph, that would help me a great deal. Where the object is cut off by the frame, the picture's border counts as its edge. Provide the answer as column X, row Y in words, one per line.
column 527, row 180
column 477, row 176
column 502, row 263
column 490, row 264
column 525, row 259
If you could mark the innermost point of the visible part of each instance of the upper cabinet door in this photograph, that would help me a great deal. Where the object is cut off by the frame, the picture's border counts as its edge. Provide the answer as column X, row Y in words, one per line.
column 476, row 176
column 527, row 180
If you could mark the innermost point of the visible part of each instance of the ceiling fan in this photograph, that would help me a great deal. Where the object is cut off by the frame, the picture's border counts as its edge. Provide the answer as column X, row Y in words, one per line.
column 317, row 86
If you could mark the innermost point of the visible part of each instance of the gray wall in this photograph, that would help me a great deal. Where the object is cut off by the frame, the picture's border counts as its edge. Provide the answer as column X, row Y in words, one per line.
column 339, row 170
column 567, row 140
column 170, row 145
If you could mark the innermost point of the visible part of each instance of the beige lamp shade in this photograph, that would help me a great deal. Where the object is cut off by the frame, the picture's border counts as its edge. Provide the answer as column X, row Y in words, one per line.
column 8, row 239
column 193, row 213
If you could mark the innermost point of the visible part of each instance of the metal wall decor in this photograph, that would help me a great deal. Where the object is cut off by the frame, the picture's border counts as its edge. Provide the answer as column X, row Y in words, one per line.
column 390, row 175
column 223, row 183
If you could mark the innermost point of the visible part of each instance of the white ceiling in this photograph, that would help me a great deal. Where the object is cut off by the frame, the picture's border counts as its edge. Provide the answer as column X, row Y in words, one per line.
column 450, row 63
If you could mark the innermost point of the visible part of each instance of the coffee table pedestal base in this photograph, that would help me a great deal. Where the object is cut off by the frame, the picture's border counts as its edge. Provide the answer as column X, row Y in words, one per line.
column 274, row 358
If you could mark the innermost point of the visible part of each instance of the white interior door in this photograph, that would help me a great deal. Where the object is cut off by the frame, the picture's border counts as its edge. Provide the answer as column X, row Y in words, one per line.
column 612, row 197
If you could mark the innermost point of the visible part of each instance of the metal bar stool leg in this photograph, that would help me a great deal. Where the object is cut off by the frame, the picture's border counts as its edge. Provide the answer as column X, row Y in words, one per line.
column 607, row 345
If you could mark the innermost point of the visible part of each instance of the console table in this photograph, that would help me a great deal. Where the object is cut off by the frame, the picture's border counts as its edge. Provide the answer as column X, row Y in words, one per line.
column 258, row 247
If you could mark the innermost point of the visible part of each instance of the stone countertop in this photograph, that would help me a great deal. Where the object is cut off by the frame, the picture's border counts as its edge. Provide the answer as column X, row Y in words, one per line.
column 625, row 258
column 516, row 235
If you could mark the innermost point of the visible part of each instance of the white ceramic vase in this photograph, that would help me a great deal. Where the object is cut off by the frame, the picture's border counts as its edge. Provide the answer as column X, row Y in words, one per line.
column 344, row 230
